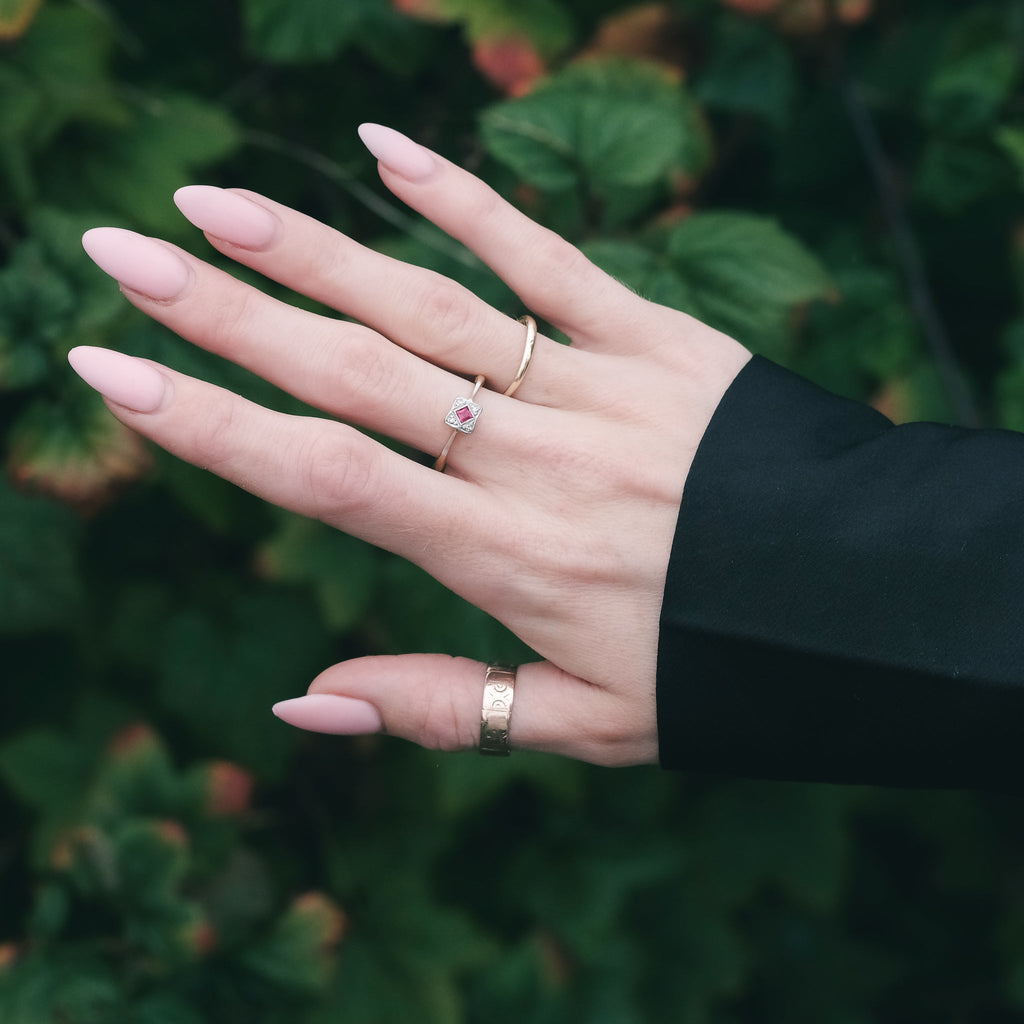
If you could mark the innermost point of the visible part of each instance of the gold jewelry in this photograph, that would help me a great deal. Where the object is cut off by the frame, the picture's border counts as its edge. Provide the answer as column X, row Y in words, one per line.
column 462, row 417
column 524, row 364
column 496, row 714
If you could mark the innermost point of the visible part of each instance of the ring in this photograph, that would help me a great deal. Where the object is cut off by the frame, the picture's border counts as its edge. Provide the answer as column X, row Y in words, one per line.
column 524, row 364
column 499, row 689
column 462, row 417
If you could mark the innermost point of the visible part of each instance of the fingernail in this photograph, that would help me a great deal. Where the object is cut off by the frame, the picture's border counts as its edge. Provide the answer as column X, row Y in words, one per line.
column 398, row 153
column 227, row 215
column 139, row 263
column 327, row 712
column 123, row 379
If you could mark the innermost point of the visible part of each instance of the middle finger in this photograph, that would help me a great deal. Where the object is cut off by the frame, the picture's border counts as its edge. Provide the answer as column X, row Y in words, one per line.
column 419, row 309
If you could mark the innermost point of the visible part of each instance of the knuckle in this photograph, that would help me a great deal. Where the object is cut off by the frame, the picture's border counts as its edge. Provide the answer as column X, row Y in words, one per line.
column 369, row 368
column 228, row 318
column 556, row 261
column 483, row 204
column 337, row 478
column 450, row 310
column 211, row 444
column 440, row 727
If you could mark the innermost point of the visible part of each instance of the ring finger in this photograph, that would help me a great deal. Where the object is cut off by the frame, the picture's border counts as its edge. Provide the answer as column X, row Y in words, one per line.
column 342, row 368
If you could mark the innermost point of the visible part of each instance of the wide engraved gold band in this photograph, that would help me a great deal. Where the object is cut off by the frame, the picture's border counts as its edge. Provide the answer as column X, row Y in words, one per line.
column 496, row 713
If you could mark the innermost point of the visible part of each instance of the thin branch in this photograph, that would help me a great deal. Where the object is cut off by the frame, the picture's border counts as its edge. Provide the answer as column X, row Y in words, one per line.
column 337, row 174
column 908, row 255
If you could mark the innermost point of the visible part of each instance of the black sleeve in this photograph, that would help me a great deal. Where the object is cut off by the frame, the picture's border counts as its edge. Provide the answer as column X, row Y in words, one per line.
column 844, row 597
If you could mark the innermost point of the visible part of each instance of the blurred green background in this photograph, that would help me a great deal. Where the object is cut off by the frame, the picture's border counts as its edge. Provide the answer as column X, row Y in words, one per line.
column 839, row 183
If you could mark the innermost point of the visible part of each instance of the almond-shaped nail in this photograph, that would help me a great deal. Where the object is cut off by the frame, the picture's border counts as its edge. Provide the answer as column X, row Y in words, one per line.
column 227, row 215
column 123, row 379
column 398, row 153
column 139, row 263
column 327, row 712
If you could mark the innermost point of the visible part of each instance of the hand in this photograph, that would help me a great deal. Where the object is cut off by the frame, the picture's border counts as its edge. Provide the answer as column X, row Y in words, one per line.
column 555, row 516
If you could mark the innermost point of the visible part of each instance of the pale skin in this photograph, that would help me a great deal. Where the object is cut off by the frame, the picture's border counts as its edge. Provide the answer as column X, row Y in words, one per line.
column 555, row 516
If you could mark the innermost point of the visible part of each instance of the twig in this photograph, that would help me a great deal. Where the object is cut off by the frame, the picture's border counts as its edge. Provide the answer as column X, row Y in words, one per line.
column 908, row 254
column 337, row 174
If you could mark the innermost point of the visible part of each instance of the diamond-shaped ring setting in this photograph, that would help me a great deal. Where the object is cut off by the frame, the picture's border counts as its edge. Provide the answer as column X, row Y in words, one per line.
column 463, row 415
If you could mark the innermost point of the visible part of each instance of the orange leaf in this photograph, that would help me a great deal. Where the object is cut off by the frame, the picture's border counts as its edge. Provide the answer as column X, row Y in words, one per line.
column 16, row 16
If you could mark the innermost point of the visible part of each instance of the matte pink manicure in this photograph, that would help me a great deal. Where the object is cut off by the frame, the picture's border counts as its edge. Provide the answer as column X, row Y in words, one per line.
column 227, row 215
column 123, row 379
column 327, row 712
column 139, row 263
column 398, row 153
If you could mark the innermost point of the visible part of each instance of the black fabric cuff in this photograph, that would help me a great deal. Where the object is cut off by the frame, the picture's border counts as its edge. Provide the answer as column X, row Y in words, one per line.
column 844, row 596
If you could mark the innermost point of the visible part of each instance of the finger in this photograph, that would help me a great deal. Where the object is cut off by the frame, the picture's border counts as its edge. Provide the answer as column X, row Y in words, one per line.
column 345, row 369
column 316, row 467
column 419, row 309
column 549, row 274
column 436, row 701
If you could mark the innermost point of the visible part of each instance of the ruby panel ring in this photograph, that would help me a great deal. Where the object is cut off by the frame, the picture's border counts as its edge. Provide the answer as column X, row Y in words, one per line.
column 462, row 417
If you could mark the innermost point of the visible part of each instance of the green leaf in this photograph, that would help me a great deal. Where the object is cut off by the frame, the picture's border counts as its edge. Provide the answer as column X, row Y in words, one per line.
column 975, row 73
column 467, row 783
column 954, row 174
column 340, row 569
column 44, row 768
column 646, row 271
column 751, row 835
column 298, row 953
column 171, row 137
column 39, row 585
column 64, row 61
column 749, row 70
column 1011, row 140
column 288, row 32
column 221, row 674
column 603, row 124
column 545, row 22
column 745, row 275
column 59, row 986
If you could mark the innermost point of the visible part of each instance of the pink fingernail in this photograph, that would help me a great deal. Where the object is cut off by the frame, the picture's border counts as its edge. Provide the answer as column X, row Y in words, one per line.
column 137, row 262
column 123, row 379
column 397, row 152
column 327, row 712
column 227, row 215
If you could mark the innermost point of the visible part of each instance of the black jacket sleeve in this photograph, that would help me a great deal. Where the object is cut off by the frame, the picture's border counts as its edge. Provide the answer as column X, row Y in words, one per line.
column 845, row 597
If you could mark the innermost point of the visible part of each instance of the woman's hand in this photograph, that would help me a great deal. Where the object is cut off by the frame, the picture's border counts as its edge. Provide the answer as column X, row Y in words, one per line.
column 555, row 516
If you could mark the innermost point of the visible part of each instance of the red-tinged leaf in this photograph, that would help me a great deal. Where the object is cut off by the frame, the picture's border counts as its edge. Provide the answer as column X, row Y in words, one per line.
column 228, row 789
column 426, row 10
column 853, row 12
column 512, row 63
column 323, row 917
column 134, row 742
column 199, row 937
column 753, row 6
column 652, row 31
column 803, row 17
column 80, row 455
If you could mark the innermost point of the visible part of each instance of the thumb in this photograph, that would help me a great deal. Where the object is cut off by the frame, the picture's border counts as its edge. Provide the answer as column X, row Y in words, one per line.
column 436, row 701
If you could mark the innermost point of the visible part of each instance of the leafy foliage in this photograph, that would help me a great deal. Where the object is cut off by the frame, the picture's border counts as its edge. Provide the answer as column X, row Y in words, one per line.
column 827, row 180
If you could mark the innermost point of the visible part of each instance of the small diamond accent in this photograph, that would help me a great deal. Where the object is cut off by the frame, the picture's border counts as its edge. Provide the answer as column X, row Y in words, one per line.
column 463, row 415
